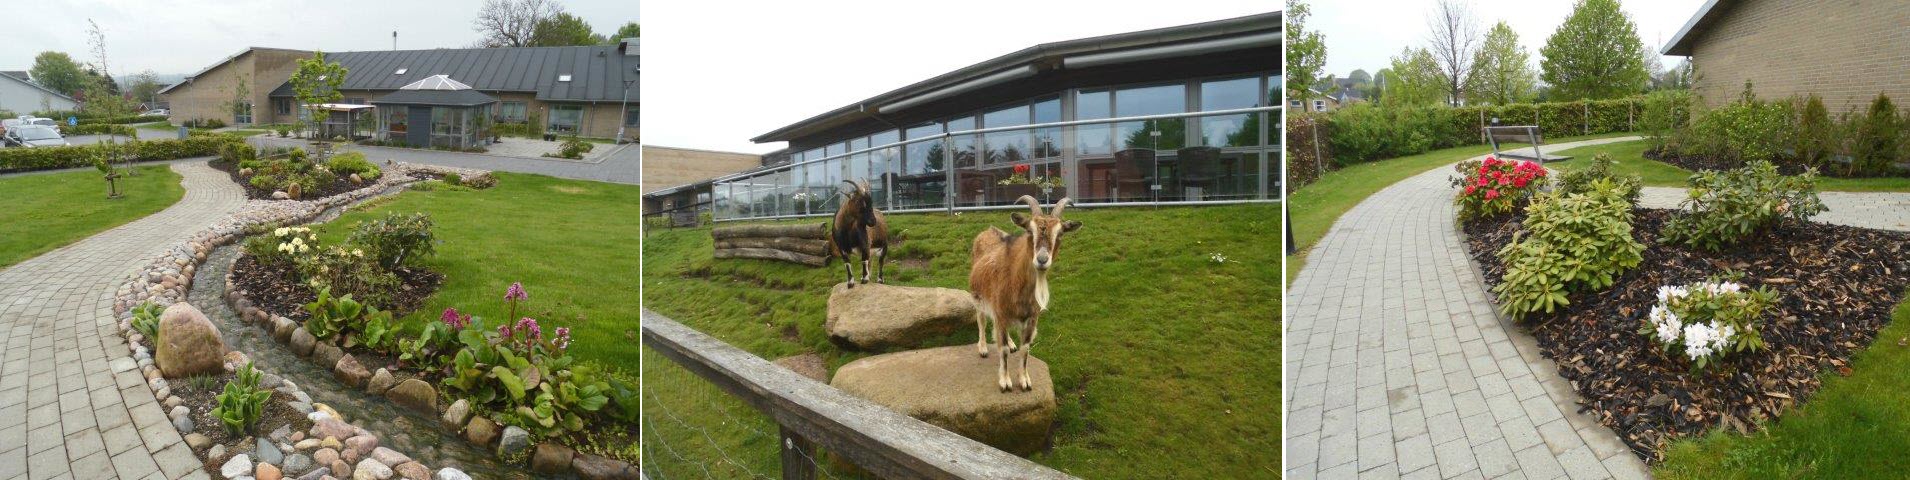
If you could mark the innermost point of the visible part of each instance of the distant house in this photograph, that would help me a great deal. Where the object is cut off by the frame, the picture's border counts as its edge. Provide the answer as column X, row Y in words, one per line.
column 1846, row 51
column 590, row 91
column 20, row 95
column 1319, row 102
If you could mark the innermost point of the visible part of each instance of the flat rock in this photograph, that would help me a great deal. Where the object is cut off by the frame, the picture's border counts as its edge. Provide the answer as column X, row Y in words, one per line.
column 448, row 473
column 267, row 471
column 953, row 388
column 878, row 317
column 188, row 343
column 197, row 442
column 412, row 471
column 381, row 381
column 513, row 441
column 369, row 469
column 240, row 464
column 298, row 464
column 808, row 364
column 389, row 457
column 480, row 431
column 267, row 452
column 592, row 467
column 550, row 457
column 350, row 372
column 415, row 394
column 457, row 414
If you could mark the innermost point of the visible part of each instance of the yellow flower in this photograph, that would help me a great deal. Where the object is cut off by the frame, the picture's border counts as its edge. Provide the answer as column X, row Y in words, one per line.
column 358, row 252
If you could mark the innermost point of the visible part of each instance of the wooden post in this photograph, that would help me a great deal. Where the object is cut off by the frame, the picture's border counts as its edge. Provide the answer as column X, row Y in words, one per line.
column 797, row 455
column 1319, row 164
column 1585, row 116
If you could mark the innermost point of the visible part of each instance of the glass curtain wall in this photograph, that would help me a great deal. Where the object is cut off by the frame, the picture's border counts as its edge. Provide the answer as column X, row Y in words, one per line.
column 1187, row 159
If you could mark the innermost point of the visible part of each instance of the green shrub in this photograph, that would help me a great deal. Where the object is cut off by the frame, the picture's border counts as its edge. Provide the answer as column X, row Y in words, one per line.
column 1748, row 130
column 1726, row 207
column 1577, row 242
column 241, row 404
column 453, row 179
column 1364, row 132
column 237, row 153
column 12, row 159
column 98, row 129
column 395, row 240
column 1663, row 114
column 345, row 164
column 347, row 272
column 1707, row 320
column 146, row 320
column 1581, row 180
column 1815, row 140
column 1875, row 139
column 120, row 120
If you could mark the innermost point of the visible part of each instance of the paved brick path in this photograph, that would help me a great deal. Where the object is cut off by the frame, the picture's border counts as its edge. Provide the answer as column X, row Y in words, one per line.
column 72, row 402
column 1398, row 364
column 1875, row 210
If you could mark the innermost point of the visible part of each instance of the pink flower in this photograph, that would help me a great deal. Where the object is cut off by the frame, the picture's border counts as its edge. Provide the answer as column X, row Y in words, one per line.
column 1519, row 182
column 529, row 326
column 1492, row 194
column 563, row 338
column 516, row 292
column 504, row 331
column 1471, row 188
column 454, row 319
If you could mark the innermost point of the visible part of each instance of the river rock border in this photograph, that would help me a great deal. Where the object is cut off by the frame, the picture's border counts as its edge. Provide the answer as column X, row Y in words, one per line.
column 509, row 443
column 333, row 443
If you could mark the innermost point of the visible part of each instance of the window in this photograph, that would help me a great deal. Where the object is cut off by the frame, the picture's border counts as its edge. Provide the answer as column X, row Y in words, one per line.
column 566, row 118
column 1295, row 102
column 396, row 120
column 1319, row 105
column 1153, row 134
column 510, row 112
column 400, row 71
column 1241, row 130
column 282, row 105
column 354, row 100
column 1009, row 146
column 630, row 116
column 242, row 113
column 1093, row 105
column 563, row 78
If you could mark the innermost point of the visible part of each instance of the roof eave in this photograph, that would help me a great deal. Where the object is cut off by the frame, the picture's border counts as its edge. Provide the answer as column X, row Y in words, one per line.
column 1680, row 44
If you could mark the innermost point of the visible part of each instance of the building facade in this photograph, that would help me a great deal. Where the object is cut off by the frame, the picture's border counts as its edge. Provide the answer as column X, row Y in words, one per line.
column 590, row 91
column 20, row 95
column 1846, row 51
column 1174, row 115
column 676, row 178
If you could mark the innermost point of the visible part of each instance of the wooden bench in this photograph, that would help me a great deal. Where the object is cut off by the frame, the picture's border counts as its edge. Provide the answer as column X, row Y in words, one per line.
column 1520, row 134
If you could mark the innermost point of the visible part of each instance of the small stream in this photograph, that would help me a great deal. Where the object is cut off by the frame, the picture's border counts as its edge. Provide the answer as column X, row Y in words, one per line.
column 411, row 433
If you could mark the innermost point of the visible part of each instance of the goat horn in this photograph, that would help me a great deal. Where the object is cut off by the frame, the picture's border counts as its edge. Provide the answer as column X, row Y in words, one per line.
column 1058, row 206
column 852, row 185
column 1033, row 205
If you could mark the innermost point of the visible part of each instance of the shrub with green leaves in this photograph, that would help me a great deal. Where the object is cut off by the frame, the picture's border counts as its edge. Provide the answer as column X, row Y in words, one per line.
column 345, row 164
column 1875, row 140
column 1664, row 113
column 1601, row 168
column 1747, row 130
column 146, row 320
column 239, row 407
column 396, row 239
column 1725, row 207
column 1576, row 242
column 453, row 179
column 1816, row 138
column 1708, row 320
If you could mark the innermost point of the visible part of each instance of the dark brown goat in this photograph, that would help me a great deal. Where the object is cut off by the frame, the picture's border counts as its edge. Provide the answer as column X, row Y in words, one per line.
column 1008, row 276
column 861, row 228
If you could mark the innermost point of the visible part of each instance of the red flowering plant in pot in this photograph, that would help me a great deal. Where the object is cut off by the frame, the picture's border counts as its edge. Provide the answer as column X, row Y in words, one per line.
column 1495, row 187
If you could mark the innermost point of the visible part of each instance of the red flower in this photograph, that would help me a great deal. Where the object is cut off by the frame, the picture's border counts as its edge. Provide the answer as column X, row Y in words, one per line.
column 1470, row 189
column 1519, row 182
column 1021, row 169
column 1492, row 194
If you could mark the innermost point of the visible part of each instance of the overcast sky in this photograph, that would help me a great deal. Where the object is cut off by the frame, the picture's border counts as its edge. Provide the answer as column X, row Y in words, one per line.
column 717, row 74
column 1358, row 35
column 184, row 36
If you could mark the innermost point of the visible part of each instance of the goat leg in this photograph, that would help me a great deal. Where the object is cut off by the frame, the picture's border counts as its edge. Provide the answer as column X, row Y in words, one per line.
column 981, row 333
column 1027, row 348
column 865, row 258
column 1001, row 370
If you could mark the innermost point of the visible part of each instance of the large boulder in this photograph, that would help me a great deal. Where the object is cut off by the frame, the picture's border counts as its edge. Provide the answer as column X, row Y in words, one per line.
column 415, row 394
column 188, row 343
column 879, row 317
column 953, row 388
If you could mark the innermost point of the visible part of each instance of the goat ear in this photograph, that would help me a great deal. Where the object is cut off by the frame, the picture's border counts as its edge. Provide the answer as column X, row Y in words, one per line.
column 1020, row 220
column 1070, row 226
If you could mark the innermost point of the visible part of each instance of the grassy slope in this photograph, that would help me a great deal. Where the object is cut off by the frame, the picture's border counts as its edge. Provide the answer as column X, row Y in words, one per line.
column 1855, row 427
column 1165, row 361
column 572, row 244
column 45, row 212
column 1630, row 157
column 1314, row 208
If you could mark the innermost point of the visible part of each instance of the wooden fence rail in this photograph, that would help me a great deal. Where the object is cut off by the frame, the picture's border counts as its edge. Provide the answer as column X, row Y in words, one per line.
column 813, row 414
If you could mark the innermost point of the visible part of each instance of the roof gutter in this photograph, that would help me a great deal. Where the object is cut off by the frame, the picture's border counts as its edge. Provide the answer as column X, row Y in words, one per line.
column 1170, row 51
column 996, row 78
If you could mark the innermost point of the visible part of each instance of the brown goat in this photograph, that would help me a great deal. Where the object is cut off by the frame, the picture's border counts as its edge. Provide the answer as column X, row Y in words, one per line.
column 1008, row 277
column 859, row 227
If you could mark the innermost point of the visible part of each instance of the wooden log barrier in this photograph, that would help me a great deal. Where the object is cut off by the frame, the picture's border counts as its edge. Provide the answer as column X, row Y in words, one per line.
column 816, row 231
column 806, row 244
column 772, row 254
column 818, row 248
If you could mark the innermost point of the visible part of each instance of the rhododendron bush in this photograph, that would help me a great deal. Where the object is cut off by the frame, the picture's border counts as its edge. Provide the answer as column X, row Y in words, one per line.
column 1704, row 321
column 1494, row 187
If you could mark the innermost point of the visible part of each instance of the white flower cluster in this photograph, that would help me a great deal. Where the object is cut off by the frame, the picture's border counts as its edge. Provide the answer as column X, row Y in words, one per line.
column 295, row 240
column 1700, row 339
column 1217, row 258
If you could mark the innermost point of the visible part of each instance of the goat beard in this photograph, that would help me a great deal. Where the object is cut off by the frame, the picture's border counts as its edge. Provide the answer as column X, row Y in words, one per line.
column 1041, row 290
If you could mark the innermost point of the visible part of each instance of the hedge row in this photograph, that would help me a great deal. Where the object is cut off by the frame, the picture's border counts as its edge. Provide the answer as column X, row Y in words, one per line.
column 1308, row 159
column 121, row 120
column 97, row 129
column 1365, row 132
column 45, row 158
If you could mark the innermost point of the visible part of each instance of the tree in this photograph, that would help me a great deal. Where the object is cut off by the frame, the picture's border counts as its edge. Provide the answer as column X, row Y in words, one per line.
column 1594, row 54
column 1359, row 77
column 241, row 96
column 58, row 72
column 563, row 30
column 1415, row 80
column 628, row 30
column 1502, row 71
column 1376, row 90
column 511, row 23
column 145, row 88
column 1653, row 66
column 317, row 82
column 1306, row 52
column 1455, row 36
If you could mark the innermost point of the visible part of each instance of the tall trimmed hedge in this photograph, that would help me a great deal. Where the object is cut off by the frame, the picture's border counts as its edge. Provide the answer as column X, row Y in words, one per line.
column 97, row 129
column 1365, row 132
column 121, row 120
column 46, row 158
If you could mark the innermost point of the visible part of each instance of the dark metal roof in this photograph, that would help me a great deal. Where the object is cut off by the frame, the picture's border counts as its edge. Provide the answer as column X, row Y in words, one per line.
column 1708, row 14
column 454, row 98
column 597, row 73
column 1046, row 58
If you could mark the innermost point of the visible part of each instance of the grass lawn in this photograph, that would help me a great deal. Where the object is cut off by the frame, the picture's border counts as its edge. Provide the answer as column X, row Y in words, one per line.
column 1631, row 159
column 1314, row 208
column 47, row 211
column 1855, row 427
column 572, row 243
column 1166, row 363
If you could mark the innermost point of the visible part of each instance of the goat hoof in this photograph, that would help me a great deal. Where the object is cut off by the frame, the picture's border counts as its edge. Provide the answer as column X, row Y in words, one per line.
column 982, row 348
column 1005, row 385
column 1026, row 385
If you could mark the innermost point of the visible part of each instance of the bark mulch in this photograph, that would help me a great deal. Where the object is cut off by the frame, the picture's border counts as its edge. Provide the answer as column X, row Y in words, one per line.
column 1785, row 166
column 338, row 185
column 275, row 288
column 1837, row 287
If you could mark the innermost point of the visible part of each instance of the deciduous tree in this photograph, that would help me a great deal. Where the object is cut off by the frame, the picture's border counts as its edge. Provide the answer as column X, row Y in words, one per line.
column 563, row 30
column 58, row 72
column 628, row 30
column 1455, row 38
column 1594, row 54
column 317, row 82
column 511, row 23
column 1306, row 52
column 1502, row 71
column 1415, row 80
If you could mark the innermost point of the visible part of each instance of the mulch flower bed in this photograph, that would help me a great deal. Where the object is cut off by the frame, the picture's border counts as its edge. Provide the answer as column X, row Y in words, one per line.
column 340, row 185
column 274, row 288
column 1785, row 166
column 1837, row 287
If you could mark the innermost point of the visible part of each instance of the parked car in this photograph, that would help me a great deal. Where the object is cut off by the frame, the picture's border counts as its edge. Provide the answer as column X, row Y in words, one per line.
column 30, row 136
column 41, row 121
column 158, row 111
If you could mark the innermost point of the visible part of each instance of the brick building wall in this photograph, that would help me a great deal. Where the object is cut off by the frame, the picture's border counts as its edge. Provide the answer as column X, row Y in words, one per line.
column 1846, row 51
column 665, row 167
column 208, row 96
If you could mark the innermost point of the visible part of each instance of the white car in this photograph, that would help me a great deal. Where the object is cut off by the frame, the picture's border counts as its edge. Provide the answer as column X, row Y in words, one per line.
column 158, row 111
column 30, row 136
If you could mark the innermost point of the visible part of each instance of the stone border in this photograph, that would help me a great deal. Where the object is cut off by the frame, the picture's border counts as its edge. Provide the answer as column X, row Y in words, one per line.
column 509, row 443
column 169, row 277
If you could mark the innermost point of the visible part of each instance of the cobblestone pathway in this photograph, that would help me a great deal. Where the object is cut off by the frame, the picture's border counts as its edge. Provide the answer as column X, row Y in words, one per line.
column 1399, row 366
column 72, row 402
column 1874, row 210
